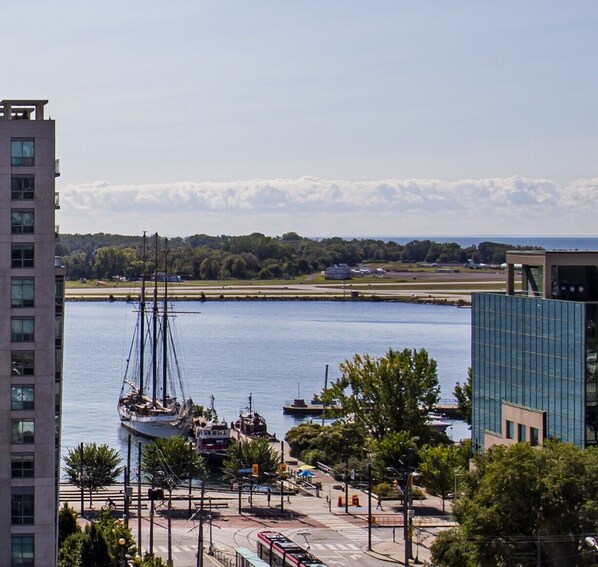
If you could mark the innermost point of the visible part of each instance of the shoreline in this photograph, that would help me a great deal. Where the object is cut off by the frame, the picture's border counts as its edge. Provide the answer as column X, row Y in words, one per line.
column 457, row 302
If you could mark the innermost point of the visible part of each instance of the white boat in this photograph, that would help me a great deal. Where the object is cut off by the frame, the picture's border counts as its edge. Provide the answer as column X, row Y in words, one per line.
column 212, row 437
column 148, row 404
column 438, row 422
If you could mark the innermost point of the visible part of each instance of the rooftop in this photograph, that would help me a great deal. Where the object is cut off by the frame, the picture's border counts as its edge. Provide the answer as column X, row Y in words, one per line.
column 22, row 109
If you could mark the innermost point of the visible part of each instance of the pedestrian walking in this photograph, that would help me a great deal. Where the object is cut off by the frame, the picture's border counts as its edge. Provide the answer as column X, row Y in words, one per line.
column 379, row 505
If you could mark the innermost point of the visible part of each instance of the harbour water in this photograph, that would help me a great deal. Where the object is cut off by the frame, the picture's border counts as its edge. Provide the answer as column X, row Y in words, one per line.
column 274, row 350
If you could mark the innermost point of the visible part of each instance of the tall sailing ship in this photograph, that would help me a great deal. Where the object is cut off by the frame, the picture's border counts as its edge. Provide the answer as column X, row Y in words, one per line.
column 149, row 402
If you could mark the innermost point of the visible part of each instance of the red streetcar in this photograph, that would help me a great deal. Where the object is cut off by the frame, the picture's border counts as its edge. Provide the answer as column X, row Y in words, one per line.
column 279, row 551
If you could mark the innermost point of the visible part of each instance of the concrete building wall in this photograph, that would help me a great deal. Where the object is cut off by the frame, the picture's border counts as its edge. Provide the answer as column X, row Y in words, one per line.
column 43, row 312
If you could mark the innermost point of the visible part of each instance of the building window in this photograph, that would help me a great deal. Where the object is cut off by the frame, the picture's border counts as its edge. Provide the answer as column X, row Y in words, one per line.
column 59, row 292
column 58, row 322
column 22, row 222
column 510, row 429
column 521, row 432
column 58, row 364
column 22, row 362
column 21, row 500
column 22, row 329
column 21, row 187
column 22, row 465
column 22, row 151
column 534, row 436
column 21, row 292
column 22, row 431
column 21, row 551
column 22, row 255
column 22, row 398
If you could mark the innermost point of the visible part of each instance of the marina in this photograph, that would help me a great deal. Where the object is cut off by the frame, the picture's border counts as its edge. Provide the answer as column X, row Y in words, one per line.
column 231, row 349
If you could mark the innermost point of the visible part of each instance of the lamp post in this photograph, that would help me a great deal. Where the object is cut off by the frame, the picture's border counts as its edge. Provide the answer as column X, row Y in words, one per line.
column 139, row 495
column 200, row 532
column 369, row 506
column 281, row 478
column 122, row 542
column 346, row 456
column 406, row 476
column 81, row 480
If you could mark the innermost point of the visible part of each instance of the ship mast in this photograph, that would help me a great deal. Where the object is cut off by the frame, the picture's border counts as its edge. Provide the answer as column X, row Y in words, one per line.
column 142, row 320
column 155, row 330
column 165, row 329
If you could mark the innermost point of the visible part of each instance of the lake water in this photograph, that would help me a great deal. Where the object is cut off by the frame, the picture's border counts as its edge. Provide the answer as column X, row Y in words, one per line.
column 275, row 350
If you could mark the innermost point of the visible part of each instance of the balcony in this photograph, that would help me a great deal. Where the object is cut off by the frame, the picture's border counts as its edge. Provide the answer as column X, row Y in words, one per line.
column 56, row 168
column 58, row 262
column 56, row 200
column 56, row 231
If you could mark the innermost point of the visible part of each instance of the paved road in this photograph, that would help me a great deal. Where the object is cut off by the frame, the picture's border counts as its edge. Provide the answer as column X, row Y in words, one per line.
column 335, row 537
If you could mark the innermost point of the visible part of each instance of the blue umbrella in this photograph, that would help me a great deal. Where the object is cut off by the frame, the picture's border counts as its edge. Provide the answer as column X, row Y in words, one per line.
column 304, row 474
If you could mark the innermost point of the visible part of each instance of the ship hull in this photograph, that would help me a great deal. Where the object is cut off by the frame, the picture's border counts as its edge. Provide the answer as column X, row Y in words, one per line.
column 153, row 427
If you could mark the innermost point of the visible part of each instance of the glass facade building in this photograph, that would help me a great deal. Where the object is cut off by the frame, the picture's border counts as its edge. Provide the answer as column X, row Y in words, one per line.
column 535, row 358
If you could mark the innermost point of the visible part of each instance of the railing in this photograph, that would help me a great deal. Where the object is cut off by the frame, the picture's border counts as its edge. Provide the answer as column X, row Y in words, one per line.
column 396, row 520
column 57, row 168
column 221, row 557
column 56, row 200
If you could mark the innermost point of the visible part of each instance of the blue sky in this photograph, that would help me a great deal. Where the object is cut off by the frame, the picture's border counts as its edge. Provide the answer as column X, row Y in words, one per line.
column 325, row 118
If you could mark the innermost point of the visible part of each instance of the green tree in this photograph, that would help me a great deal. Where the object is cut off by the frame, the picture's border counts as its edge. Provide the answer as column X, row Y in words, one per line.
column 94, row 548
column 244, row 454
column 463, row 395
column 99, row 545
column 312, row 442
column 390, row 451
column 92, row 467
column 113, row 261
column 438, row 467
column 390, row 393
column 67, row 523
column 167, row 463
column 522, row 502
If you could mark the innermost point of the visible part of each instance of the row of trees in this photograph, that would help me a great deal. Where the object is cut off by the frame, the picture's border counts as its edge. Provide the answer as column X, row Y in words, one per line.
column 514, row 506
column 524, row 506
column 255, row 255
column 166, row 464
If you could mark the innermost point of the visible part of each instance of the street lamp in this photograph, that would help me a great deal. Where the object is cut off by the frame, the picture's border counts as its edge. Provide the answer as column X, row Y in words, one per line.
column 122, row 543
column 406, row 476
column 369, row 506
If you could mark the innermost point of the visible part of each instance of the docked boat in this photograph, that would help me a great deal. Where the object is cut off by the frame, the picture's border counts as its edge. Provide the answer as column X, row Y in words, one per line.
column 251, row 423
column 438, row 422
column 153, row 402
column 212, row 437
column 299, row 406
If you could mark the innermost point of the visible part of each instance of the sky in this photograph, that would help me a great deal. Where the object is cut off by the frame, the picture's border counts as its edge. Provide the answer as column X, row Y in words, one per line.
column 328, row 118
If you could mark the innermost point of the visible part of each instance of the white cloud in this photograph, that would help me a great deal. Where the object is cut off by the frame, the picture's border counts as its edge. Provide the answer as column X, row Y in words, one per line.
column 314, row 206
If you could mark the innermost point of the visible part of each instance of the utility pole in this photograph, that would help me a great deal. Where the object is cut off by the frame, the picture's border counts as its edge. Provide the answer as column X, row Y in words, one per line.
column 346, row 477
column 200, row 532
column 281, row 478
column 190, row 473
column 169, row 562
column 81, row 480
column 369, row 506
column 406, row 504
column 128, row 482
column 139, row 497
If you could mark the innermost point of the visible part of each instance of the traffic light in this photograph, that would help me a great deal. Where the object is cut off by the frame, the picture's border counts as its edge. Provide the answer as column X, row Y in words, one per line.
column 282, row 468
column 255, row 469
column 395, row 484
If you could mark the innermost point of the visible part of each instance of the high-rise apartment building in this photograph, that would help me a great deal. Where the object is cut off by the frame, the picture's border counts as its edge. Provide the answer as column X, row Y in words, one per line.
column 535, row 352
column 31, row 323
